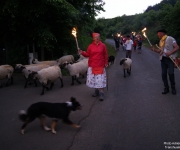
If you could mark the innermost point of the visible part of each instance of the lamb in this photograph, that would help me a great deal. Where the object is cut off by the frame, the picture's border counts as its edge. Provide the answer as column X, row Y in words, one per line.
column 76, row 69
column 67, row 58
column 27, row 69
column 50, row 63
column 126, row 63
column 6, row 71
column 47, row 76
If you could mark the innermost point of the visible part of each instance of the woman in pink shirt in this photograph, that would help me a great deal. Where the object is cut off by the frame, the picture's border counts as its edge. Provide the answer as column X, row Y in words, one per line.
column 98, row 60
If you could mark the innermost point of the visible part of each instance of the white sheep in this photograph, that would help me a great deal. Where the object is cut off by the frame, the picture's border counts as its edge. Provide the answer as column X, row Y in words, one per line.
column 126, row 64
column 6, row 71
column 27, row 69
column 66, row 58
column 47, row 76
column 76, row 69
column 48, row 62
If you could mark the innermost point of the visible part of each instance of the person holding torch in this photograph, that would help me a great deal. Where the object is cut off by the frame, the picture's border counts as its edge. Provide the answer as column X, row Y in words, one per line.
column 98, row 60
column 168, row 50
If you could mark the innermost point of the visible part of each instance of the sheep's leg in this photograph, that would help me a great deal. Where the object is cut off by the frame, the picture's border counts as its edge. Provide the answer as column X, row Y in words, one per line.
column 124, row 73
column 72, row 80
column 12, row 80
column 7, row 83
column 77, row 80
column 61, row 82
column 129, row 71
column 35, row 83
column 52, row 84
column 43, row 87
column 26, row 83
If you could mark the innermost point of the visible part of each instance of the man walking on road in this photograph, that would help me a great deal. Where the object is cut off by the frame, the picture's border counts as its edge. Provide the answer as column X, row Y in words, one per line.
column 169, row 48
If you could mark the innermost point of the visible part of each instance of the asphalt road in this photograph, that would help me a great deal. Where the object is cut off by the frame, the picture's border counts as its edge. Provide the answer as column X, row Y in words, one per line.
column 133, row 116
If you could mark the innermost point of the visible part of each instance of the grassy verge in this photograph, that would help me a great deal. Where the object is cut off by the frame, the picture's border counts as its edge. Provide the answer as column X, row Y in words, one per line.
column 111, row 49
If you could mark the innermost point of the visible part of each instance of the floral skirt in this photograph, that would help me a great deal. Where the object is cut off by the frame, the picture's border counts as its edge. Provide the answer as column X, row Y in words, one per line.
column 96, row 81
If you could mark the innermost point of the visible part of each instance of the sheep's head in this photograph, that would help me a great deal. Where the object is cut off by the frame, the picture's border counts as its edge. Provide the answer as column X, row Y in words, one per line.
column 34, row 61
column 19, row 68
column 32, row 75
column 65, row 64
column 122, row 60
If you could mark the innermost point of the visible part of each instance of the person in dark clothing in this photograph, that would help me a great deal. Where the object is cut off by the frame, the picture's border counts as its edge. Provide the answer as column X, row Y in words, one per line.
column 139, row 41
column 117, row 42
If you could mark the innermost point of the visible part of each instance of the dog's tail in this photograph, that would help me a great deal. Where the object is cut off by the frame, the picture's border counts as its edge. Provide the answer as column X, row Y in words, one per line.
column 22, row 115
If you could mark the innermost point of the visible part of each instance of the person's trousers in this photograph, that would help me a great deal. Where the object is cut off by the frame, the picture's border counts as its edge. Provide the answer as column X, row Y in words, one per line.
column 128, row 53
column 167, row 67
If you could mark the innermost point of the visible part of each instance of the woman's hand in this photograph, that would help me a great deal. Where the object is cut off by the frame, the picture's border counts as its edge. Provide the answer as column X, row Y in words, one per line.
column 80, row 51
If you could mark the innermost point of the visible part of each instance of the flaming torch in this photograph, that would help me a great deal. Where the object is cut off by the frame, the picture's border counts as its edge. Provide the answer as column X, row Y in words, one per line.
column 74, row 34
column 144, row 33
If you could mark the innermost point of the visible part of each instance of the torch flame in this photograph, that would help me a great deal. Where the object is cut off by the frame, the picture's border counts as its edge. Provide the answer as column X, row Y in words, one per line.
column 74, row 32
column 144, row 30
column 144, row 33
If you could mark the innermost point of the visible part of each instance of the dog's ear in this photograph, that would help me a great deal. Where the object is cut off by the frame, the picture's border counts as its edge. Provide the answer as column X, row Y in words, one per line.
column 73, row 99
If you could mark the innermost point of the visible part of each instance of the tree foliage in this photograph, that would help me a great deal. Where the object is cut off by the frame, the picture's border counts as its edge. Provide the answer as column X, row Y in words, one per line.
column 162, row 15
column 44, row 24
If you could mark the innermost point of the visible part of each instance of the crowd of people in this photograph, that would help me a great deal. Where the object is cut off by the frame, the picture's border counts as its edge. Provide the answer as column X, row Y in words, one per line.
column 135, row 40
column 98, row 59
column 168, row 52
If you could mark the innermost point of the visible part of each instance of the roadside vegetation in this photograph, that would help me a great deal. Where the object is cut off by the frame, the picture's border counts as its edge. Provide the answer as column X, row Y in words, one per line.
column 43, row 28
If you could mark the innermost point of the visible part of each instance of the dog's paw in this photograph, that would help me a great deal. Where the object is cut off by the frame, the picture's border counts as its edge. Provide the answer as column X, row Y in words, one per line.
column 47, row 129
column 76, row 126
column 22, row 132
column 54, row 132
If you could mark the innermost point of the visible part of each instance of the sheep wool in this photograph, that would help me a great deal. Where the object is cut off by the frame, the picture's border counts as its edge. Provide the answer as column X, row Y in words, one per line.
column 78, row 68
column 67, row 58
column 6, row 71
column 27, row 69
column 49, row 74
column 126, row 63
column 50, row 62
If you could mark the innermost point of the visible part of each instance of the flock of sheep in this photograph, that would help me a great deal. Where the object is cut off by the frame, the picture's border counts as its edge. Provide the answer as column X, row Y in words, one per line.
column 47, row 72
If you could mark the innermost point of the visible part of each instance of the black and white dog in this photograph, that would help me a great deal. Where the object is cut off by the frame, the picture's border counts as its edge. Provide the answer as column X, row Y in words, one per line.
column 53, row 110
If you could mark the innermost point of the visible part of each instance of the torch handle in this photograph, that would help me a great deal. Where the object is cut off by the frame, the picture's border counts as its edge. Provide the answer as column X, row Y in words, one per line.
column 149, row 42
column 77, row 43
